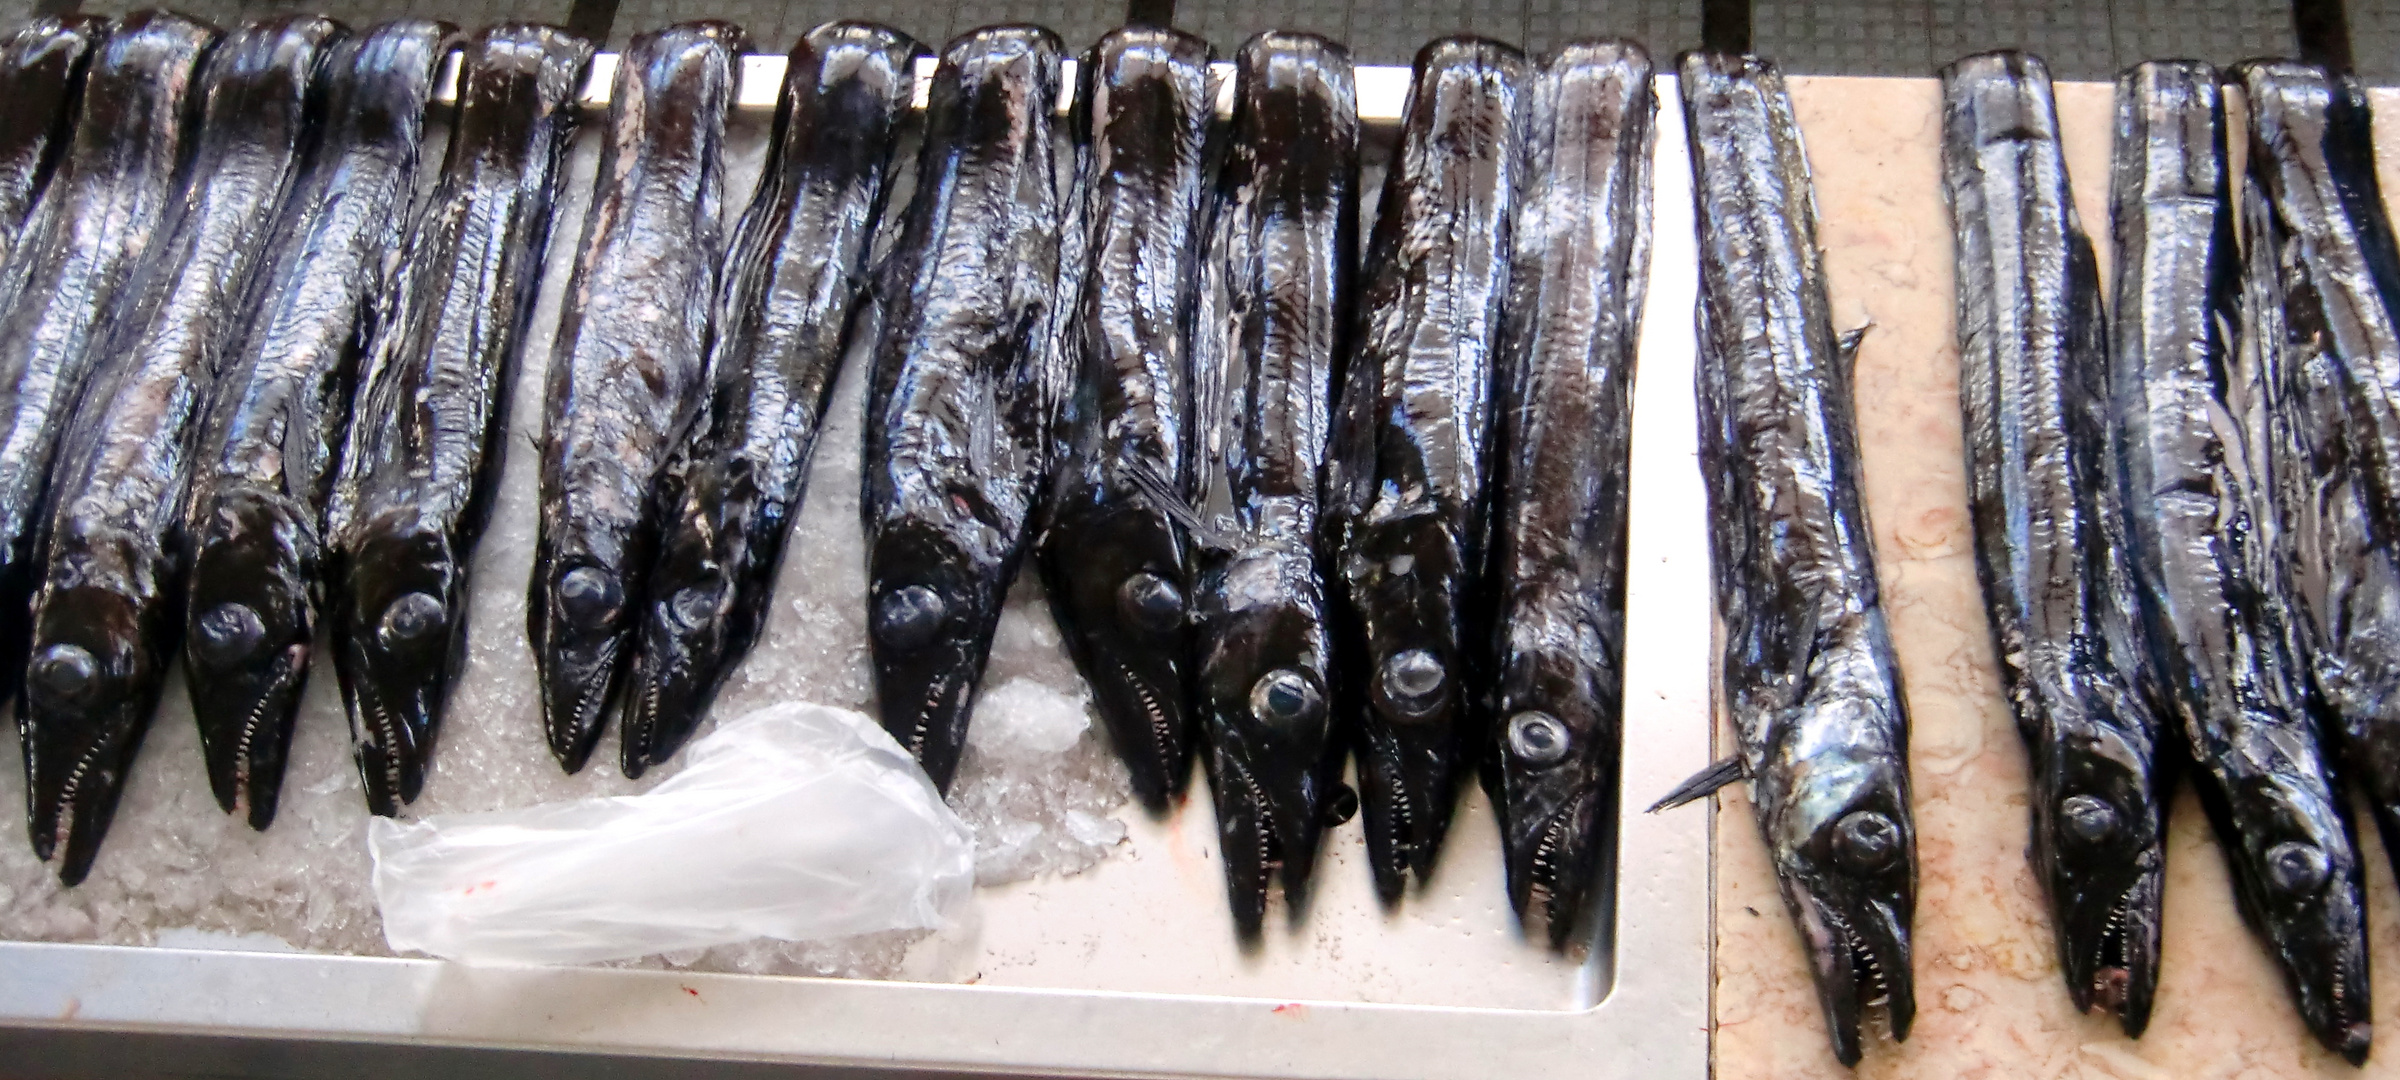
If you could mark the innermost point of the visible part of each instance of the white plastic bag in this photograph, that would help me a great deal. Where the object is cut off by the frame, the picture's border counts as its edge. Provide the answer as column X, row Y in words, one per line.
column 797, row 822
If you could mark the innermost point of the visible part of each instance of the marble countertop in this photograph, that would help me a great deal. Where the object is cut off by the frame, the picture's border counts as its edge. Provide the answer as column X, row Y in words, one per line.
column 1990, row 999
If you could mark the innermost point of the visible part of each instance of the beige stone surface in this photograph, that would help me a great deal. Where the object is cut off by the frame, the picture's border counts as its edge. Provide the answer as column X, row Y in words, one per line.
column 1989, row 997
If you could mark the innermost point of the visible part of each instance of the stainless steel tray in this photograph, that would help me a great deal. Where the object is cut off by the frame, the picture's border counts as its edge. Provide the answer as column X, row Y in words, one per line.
column 1123, row 970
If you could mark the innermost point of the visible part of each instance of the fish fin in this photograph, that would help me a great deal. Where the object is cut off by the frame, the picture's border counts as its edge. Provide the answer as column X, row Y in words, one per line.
column 1847, row 347
column 1702, row 784
column 1162, row 496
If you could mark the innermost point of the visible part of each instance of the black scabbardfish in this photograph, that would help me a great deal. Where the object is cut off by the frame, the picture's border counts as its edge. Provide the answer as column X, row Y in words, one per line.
column 1405, row 500
column 1273, row 301
column 629, row 371
column 795, row 271
column 1809, row 675
column 263, row 466
column 960, row 407
column 416, row 479
column 2317, row 391
column 1563, row 399
column 88, row 230
column 106, row 618
column 2049, row 534
column 41, row 72
column 1113, row 555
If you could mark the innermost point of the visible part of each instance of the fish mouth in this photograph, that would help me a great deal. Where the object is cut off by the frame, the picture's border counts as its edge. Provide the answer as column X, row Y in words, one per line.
column 576, row 678
column 74, row 785
column 390, row 744
column 1143, row 715
column 667, row 700
column 1862, row 968
column 246, row 722
column 1246, row 835
column 1407, row 787
column 1551, row 864
column 2112, row 962
column 925, row 702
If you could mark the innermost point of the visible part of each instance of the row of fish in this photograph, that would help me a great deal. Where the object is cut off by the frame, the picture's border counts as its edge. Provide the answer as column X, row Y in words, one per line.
column 258, row 388
column 2183, row 512
column 223, row 249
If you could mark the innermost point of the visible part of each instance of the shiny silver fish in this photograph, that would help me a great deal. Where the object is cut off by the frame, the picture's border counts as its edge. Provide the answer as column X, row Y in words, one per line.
column 1809, row 674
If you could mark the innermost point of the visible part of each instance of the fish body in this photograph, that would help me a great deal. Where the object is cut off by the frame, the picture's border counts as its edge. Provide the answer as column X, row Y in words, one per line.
column 416, row 481
column 1809, row 676
column 268, row 442
column 1115, row 562
column 1265, row 363
column 1406, row 498
column 107, row 616
column 41, row 71
column 2316, row 387
column 795, row 272
column 1564, row 418
column 961, row 399
column 629, row 372
column 2049, row 533
column 103, row 207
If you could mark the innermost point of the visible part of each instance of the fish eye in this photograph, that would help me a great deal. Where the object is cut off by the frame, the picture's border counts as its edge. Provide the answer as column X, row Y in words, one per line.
column 693, row 605
column 1538, row 738
column 1412, row 683
column 67, row 672
column 2297, row 868
column 590, row 597
column 410, row 619
column 2089, row 818
column 1865, row 841
column 1285, row 697
column 227, row 634
column 1151, row 602
column 908, row 618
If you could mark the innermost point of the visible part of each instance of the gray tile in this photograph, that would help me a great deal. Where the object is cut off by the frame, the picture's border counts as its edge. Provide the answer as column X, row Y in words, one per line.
column 2076, row 39
column 1846, row 37
column 2375, row 40
column 2218, row 31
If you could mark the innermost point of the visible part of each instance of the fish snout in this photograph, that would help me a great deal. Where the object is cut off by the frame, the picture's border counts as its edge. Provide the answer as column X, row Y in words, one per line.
column 578, row 634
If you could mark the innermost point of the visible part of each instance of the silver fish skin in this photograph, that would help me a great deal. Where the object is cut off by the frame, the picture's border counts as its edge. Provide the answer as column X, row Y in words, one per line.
column 1406, row 498
column 415, row 487
column 1115, row 563
column 630, row 370
column 961, row 408
column 106, row 619
column 1274, row 299
column 1564, row 405
column 796, row 271
column 106, row 204
column 2315, row 390
column 42, row 65
column 1808, row 670
column 263, row 464
column 2049, row 534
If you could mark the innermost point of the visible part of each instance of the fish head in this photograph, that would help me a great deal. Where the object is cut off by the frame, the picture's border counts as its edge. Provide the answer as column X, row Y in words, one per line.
column 2300, row 874
column 1404, row 578
column 250, row 616
column 398, row 637
column 1844, row 845
column 2097, row 838
column 1117, row 583
column 693, row 625
column 575, row 620
column 91, row 684
column 933, row 601
column 1552, row 769
column 1264, row 692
